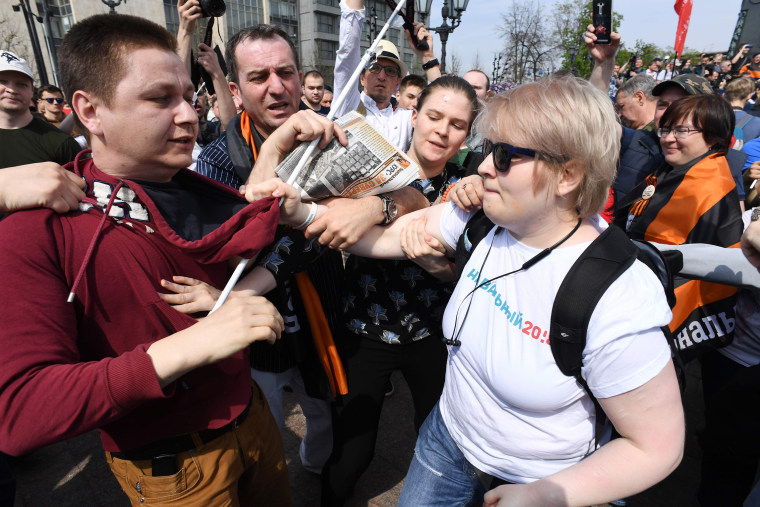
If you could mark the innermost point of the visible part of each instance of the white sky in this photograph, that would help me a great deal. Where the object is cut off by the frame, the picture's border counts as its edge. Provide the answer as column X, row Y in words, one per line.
column 712, row 25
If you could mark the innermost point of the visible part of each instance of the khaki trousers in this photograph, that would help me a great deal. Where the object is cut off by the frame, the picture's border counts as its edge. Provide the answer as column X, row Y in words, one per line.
column 245, row 466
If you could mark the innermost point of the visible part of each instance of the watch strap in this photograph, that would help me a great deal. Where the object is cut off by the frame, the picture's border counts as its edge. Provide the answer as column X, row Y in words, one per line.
column 430, row 64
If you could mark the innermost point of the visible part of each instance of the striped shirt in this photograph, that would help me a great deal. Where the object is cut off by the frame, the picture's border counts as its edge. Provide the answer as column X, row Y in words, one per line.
column 214, row 162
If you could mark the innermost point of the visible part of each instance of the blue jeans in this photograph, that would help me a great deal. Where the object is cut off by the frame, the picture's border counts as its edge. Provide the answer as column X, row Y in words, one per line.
column 439, row 473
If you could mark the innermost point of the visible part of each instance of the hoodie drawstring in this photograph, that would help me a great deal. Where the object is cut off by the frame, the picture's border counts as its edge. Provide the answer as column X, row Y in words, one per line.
column 93, row 242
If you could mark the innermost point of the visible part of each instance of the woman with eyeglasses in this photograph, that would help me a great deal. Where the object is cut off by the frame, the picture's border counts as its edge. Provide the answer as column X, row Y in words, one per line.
column 692, row 198
column 507, row 415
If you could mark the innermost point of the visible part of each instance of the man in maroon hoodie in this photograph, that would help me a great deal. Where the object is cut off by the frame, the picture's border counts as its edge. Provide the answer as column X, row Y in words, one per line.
column 85, row 340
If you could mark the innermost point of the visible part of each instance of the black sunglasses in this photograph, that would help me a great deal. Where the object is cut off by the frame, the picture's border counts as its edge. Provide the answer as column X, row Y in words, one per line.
column 50, row 100
column 503, row 153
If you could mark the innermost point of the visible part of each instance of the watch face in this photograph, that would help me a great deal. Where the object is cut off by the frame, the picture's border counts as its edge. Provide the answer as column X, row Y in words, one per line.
column 392, row 210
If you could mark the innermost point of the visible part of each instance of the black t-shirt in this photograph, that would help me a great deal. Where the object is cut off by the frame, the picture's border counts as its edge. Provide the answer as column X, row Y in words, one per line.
column 396, row 301
column 191, row 210
column 323, row 110
column 38, row 141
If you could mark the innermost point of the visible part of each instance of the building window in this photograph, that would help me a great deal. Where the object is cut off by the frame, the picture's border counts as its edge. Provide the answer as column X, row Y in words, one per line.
column 61, row 20
column 327, row 23
column 283, row 13
column 330, row 3
column 326, row 49
column 242, row 14
column 407, row 59
column 392, row 35
column 172, row 16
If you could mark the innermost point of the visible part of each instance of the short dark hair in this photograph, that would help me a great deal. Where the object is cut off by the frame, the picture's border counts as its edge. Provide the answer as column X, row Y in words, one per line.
column 256, row 32
column 412, row 80
column 312, row 73
column 92, row 55
column 451, row 83
column 93, row 51
column 49, row 89
column 709, row 113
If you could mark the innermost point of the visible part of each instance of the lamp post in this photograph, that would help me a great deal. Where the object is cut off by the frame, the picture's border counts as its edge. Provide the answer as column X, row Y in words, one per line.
column 30, row 18
column 112, row 4
column 443, row 31
column 573, row 53
column 373, row 24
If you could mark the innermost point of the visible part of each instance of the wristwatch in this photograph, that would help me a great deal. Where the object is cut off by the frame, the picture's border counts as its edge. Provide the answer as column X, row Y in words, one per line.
column 430, row 64
column 389, row 209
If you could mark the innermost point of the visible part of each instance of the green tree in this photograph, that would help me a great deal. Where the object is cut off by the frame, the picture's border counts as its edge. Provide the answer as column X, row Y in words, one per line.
column 570, row 19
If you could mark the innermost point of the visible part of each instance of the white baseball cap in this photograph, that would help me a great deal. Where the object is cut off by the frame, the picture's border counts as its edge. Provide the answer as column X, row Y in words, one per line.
column 10, row 61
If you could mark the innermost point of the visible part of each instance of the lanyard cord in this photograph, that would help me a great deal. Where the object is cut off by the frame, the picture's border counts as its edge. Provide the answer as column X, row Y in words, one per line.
column 455, row 342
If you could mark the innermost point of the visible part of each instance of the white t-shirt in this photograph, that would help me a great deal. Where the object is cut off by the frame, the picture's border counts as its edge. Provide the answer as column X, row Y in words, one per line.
column 505, row 402
column 394, row 126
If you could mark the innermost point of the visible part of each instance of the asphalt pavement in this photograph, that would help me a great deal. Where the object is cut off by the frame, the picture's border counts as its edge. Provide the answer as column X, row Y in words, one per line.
column 75, row 473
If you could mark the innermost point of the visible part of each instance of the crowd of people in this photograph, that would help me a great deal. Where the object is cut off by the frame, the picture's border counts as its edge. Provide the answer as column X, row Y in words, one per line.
column 116, row 242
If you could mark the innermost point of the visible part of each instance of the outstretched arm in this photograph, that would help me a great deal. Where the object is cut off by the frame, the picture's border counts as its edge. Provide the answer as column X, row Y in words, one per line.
column 740, row 54
column 604, row 58
column 349, row 53
column 346, row 220
column 189, row 12
column 40, row 185
column 380, row 242
column 424, row 55
column 210, row 62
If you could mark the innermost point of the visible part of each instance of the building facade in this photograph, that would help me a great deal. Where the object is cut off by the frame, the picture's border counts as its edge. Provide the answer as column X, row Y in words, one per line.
column 312, row 24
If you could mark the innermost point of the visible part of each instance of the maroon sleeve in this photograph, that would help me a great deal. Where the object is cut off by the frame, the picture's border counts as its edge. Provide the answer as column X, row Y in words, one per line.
column 49, row 389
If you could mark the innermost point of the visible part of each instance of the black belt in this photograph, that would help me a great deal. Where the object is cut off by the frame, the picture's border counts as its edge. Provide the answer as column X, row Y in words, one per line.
column 181, row 443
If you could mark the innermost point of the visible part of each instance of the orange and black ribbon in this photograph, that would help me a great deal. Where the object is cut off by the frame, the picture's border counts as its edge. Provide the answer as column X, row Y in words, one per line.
column 320, row 330
column 639, row 206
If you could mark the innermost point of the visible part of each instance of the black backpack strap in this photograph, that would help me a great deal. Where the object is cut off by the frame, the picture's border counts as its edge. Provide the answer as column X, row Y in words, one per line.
column 664, row 265
column 596, row 269
column 477, row 228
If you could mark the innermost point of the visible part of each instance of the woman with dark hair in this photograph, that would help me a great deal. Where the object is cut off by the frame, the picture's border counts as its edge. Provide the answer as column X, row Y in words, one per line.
column 691, row 199
column 393, row 308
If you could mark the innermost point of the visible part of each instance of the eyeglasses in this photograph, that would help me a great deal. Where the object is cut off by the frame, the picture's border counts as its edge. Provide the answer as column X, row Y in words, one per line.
column 678, row 132
column 50, row 100
column 390, row 70
column 503, row 153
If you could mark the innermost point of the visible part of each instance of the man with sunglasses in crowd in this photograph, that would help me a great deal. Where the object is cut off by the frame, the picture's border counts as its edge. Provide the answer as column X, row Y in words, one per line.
column 380, row 79
column 50, row 104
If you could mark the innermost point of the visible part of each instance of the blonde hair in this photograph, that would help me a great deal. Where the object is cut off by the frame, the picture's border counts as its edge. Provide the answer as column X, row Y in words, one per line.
column 565, row 120
column 738, row 89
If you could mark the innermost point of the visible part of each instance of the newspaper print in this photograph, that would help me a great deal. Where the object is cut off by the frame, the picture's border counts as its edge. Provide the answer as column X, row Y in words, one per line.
column 368, row 165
